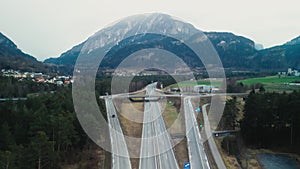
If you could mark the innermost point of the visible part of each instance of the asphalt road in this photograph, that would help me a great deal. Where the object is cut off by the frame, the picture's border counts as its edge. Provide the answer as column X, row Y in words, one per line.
column 197, row 156
column 156, row 148
column 211, row 142
column 120, row 155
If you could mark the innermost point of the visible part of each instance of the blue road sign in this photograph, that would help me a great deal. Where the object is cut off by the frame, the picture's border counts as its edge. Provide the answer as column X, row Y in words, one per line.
column 198, row 109
column 187, row 165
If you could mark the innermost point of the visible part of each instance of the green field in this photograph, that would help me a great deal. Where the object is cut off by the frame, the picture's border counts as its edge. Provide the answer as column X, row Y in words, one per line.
column 270, row 83
column 199, row 82
column 274, row 83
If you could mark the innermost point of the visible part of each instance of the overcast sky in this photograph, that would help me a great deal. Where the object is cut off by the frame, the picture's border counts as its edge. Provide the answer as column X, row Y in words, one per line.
column 46, row 28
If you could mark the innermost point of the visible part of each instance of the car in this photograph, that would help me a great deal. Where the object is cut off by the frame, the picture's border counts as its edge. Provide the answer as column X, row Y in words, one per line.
column 113, row 116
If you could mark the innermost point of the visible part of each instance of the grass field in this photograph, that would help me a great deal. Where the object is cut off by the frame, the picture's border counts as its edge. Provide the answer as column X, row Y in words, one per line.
column 274, row 83
column 270, row 83
column 270, row 79
column 183, row 84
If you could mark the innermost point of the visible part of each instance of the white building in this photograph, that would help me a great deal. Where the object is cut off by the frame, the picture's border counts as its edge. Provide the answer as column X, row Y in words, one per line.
column 205, row 89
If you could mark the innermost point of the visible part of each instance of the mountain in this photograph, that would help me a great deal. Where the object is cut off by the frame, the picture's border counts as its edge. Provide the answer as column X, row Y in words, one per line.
column 236, row 52
column 281, row 57
column 106, row 38
column 13, row 58
column 295, row 41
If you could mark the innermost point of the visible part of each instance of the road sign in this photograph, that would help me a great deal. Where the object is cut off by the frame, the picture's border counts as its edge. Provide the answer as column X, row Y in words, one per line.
column 198, row 109
column 187, row 165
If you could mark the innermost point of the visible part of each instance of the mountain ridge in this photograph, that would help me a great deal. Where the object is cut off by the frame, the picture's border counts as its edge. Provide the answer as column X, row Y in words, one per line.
column 236, row 52
column 11, row 57
column 225, row 42
column 295, row 41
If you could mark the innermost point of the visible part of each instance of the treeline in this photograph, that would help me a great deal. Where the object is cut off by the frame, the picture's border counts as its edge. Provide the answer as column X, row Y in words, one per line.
column 272, row 119
column 12, row 87
column 233, row 86
column 140, row 82
column 228, row 120
column 103, row 83
column 43, row 131
column 40, row 132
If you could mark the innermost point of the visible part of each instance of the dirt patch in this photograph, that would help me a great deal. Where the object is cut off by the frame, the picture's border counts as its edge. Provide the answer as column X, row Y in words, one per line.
column 209, row 156
column 90, row 157
column 249, row 160
column 135, row 163
column 230, row 161
column 107, row 160
column 173, row 119
column 181, row 152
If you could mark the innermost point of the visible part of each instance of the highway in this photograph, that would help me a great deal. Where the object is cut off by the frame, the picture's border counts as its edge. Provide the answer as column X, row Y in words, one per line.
column 156, row 148
column 211, row 142
column 120, row 155
column 197, row 156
